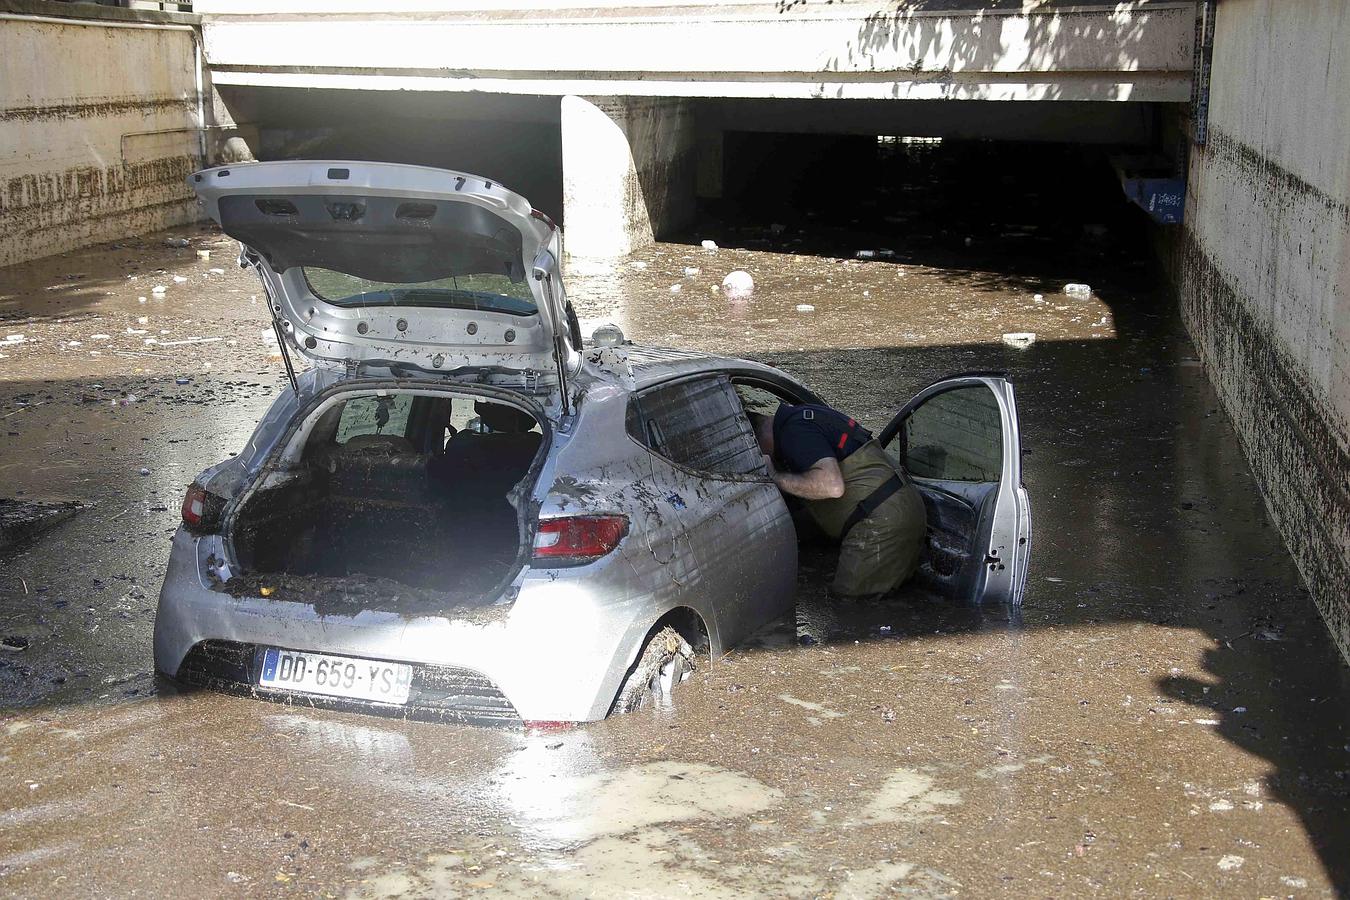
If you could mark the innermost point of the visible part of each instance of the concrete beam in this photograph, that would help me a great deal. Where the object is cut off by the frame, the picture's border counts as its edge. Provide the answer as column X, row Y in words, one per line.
column 924, row 50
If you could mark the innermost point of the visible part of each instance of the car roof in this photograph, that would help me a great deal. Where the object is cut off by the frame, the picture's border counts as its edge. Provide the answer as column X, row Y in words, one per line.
column 652, row 365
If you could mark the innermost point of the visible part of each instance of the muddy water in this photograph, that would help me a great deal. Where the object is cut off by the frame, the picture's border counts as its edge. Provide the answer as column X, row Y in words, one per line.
column 1164, row 716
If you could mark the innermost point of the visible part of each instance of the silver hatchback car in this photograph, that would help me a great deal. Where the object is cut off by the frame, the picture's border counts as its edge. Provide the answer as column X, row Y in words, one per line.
column 462, row 512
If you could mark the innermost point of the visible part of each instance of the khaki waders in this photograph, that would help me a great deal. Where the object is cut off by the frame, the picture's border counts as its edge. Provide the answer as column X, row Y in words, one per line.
column 880, row 550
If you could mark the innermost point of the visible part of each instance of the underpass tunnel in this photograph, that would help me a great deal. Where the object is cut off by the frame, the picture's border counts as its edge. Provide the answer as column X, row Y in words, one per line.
column 513, row 140
column 1016, row 188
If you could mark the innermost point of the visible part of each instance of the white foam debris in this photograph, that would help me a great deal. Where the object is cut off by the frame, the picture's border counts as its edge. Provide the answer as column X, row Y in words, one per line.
column 179, row 279
column 1231, row 862
column 203, row 254
column 158, row 290
column 738, row 285
column 140, row 299
column 100, row 337
column 1039, row 298
column 866, row 254
column 708, row 245
column 15, row 338
column 690, row 271
column 676, row 288
column 131, row 330
column 141, row 320
column 1020, row 340
column 176, row 242
column 805, row 307
column 216, row 271
column 1078, row 291
column 638, row 264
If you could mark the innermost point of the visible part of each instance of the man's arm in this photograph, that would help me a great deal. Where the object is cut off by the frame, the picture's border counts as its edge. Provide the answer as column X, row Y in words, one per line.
column 823, row 481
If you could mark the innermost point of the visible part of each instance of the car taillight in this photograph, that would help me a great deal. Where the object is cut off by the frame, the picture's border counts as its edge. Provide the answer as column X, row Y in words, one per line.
column 577, row 540
column 201, row 509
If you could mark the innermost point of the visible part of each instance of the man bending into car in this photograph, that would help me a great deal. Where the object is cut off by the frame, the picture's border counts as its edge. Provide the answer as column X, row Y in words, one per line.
column 854, row 492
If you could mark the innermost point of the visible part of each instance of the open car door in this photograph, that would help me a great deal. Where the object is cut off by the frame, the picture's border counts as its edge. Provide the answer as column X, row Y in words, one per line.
column 959, row 441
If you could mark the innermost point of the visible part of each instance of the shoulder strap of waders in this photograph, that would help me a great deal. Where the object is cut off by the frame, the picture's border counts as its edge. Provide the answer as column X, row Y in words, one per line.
column 869, row 504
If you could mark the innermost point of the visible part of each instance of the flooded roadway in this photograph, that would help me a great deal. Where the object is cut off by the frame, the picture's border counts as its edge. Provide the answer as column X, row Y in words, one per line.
column 1164, row 717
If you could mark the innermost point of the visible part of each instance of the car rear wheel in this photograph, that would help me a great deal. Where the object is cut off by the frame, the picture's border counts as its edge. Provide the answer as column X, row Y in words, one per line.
column 667, row 660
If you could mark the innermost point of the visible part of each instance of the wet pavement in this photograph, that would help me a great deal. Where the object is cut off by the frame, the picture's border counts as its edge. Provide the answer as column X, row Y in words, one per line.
column 1164, row 717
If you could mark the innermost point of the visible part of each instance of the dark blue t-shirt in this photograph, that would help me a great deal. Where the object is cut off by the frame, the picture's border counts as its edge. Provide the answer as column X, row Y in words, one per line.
column 804, row 435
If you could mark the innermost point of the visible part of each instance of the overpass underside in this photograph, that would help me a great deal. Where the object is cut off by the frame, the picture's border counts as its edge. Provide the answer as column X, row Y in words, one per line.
column 615, row 120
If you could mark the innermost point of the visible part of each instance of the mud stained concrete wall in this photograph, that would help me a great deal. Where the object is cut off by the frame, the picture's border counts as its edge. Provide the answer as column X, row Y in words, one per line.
column 1263, row 269
column 98, row 130
column 629, row 169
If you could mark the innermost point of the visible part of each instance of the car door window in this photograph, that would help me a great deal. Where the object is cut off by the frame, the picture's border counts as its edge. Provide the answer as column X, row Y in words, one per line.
column 955, row 436
column 699, row 424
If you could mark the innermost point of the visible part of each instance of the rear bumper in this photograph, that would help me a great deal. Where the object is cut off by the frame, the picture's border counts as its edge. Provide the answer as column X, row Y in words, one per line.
column 439, row 693
column 555, row 654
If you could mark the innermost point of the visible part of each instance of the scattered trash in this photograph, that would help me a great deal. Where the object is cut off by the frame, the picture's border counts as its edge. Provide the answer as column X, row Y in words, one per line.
column 15, row 338
column 805, row 307
column 885, row 253
column 690, row 271
column 1078, row 291
column 885, row 629
column 127, row 401
column 177, row 242
column 203, row 254
column 140, row 299
column 145, row 471
column 158, row 290
column 1231, row 863
column 1239, row 709
column 738, row 285
column 638, row 264
column 714, row 288
column 266, row 591
column 74, row 343
column 216, row 271
column 866, row 254
column 1039, row 298
column 14, row 643
column 1020, row 340
column 182, row 379
column 676, row 288
column 199, row 340
column 142, row 320
column 131, row 330
column 709, row 245
column 100, row 337
column 179, row 279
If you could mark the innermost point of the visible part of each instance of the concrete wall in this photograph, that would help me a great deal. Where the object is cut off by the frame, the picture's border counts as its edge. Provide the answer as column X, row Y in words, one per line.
column 628, row 172
column 98, row 128
column 918, row 49
column 1263, row 269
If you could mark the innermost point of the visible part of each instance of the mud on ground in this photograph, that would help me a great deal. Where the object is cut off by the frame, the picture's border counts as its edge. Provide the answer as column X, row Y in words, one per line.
column 1163, row 717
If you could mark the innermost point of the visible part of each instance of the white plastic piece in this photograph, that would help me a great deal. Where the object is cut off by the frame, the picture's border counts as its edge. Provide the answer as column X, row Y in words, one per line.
column 179, row 279
column 709, row 245
column 203, row 254
column 1020, row 340
column 690, row 271
column 866, row 254
column 738, row 285
column 805, row 307
column 1078, row 291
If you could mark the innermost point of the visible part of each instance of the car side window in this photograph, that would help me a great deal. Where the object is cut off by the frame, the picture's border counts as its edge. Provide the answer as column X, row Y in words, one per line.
column 955, row 436
column 374, row 415
column 699, row 424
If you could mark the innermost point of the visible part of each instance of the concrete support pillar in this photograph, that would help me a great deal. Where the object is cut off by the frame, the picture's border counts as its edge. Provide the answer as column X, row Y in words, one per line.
column 628, row 172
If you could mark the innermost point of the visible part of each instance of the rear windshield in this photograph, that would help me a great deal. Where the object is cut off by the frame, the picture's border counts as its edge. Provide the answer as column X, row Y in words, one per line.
column 490, row 293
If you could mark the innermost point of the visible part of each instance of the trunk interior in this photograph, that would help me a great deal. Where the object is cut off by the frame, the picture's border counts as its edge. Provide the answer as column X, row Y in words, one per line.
column 405, row 493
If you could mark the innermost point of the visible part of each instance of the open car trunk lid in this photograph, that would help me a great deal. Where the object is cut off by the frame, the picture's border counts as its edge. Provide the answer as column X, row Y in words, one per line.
column 383, row 264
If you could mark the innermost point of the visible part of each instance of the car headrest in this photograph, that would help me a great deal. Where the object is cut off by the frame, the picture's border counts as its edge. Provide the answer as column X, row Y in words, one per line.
column 503, row 419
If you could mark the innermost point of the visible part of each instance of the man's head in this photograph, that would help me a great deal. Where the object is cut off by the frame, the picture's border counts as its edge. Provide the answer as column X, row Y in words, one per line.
column 763, row 426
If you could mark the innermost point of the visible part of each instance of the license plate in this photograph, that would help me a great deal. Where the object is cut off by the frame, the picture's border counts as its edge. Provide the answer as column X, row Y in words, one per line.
column 335, row 676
